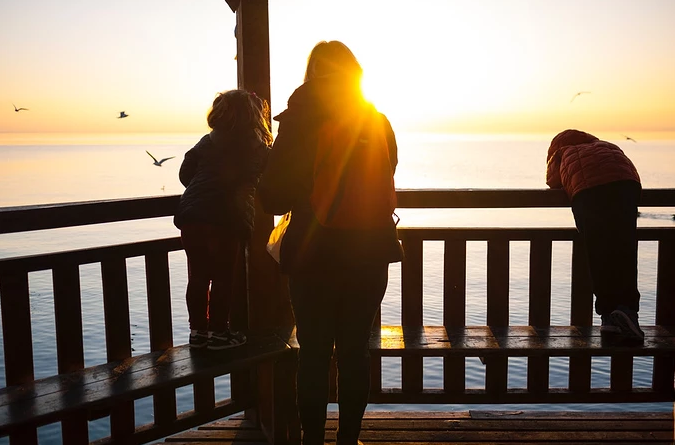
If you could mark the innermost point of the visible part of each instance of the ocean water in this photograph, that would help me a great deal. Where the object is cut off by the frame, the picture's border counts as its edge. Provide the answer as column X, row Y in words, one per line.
column 57, row 168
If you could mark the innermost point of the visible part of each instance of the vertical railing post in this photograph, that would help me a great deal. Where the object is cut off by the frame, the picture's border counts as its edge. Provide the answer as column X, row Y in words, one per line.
column 454, row 309
column 17, row 340
column 539, row 309
column 581, row 314
column 268, row 302
column 69, row 341
column 161, row 333
column 664, row 367
column 496, row 368
column 411, row 308
column 117, row 336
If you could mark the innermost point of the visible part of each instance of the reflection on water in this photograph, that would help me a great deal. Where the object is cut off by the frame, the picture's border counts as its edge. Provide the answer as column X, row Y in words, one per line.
column 36, row 174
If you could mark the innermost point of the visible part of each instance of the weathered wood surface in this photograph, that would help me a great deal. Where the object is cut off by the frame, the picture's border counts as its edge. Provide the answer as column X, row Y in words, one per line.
column 499, row 343
column 472, row 427
column 512, row 341
column 47, row 400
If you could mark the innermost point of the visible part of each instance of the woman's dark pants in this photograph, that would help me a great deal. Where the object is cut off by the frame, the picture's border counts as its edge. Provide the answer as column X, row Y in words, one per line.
column 335, row 309
column 606, row 217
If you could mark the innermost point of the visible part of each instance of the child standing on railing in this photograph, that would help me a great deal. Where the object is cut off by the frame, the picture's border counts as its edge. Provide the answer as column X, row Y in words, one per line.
column 605, row 189
column 216, row 211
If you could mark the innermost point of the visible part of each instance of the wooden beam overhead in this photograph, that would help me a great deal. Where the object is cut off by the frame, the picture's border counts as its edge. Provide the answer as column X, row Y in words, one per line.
column 234, row 4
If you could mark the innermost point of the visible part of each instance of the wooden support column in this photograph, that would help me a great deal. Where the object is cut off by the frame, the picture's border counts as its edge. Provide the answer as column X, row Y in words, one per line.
column 268, row 301
column 269, row 305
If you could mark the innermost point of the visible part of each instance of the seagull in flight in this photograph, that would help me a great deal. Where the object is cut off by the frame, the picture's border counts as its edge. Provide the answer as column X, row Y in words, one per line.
column 158, row 163
column 122, row 115
column 629, row 138
column 579, row 94
column 19, row 109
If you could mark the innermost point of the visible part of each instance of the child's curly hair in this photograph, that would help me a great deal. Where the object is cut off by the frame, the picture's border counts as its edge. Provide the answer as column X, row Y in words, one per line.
column 241, row 111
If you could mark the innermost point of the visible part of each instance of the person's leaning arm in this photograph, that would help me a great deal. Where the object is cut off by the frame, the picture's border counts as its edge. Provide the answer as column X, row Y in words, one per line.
column 553, row 171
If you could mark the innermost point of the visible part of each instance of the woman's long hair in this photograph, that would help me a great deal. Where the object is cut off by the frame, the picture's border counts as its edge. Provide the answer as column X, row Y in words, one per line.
column 331, row 58
column 238, row 111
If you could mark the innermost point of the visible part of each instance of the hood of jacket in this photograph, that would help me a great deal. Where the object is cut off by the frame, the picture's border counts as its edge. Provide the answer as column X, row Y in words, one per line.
column 323, row 97
column 569, row 137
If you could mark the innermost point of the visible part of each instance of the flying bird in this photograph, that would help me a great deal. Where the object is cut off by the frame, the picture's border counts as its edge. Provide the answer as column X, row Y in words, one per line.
column 579, row 94
column 158, row 163
column 628, row 138
column 122, row 115
column 19, row 109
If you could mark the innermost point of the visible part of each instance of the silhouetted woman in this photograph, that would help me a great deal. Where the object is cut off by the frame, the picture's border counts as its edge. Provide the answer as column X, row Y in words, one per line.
column 337, row 277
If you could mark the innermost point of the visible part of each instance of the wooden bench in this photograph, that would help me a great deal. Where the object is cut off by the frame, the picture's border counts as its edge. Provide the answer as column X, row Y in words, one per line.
column 76, row 395
column 496, row 344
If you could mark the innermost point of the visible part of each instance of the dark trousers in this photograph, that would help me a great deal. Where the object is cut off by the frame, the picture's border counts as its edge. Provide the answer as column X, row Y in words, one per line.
column 335, row 309
column 606, row 217
column 212, row 255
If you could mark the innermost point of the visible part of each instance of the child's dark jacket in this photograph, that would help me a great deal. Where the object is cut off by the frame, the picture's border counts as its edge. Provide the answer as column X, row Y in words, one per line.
column 221, row 174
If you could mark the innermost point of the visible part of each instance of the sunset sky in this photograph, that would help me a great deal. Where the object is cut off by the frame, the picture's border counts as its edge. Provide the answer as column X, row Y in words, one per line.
column 469, row 66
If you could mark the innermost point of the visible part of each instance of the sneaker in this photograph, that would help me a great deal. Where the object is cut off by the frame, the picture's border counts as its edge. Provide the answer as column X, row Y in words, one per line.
column 225, row 339
column 198, row 339
column 627, row 320
column 608, row 326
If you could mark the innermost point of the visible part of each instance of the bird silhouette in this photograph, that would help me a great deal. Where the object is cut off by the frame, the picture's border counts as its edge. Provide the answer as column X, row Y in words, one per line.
column 122, row 115
column 158, row 163
column 628, row 138
column 19, row 109
column 579, row 94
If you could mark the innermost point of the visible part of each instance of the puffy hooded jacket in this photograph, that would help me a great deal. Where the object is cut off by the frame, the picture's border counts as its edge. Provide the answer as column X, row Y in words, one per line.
column 287, row 183
column 221, row 173
column 578, row 161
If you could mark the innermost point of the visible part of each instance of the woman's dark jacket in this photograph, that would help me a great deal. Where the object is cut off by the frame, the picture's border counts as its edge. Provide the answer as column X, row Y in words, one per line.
column 221, row 174
column 287, row 184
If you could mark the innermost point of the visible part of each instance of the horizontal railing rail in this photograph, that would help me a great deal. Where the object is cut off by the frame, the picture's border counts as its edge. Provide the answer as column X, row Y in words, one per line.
column 53, row 216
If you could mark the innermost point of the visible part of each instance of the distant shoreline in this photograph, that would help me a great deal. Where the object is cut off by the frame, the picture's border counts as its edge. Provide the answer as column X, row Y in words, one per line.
column 68, row 138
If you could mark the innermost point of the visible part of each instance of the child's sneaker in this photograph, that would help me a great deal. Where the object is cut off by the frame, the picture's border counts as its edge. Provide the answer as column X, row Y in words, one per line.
column 198, row 339
column 225, row 339
column 627, row 321
column 608, row 327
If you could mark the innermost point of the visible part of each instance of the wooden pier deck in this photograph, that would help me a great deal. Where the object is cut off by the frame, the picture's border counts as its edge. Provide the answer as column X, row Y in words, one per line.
column 467, row 428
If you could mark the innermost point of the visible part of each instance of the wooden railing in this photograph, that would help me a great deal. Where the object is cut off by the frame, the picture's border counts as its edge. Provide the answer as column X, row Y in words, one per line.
column 64, row 266
column 454, row 301
column 17, row 329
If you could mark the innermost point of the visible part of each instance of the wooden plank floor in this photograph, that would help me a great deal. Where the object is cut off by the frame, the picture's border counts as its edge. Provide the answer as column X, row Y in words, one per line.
column 468, row 428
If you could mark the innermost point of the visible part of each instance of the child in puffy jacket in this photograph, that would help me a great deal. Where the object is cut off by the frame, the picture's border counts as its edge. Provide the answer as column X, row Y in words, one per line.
column 604, row 187
column 217, row 210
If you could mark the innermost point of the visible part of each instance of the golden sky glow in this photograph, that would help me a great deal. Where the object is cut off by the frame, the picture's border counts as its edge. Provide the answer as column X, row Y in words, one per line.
column 457, row 66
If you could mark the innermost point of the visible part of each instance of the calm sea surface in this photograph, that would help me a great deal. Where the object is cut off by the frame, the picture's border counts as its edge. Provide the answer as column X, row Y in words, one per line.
column 80, row 168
